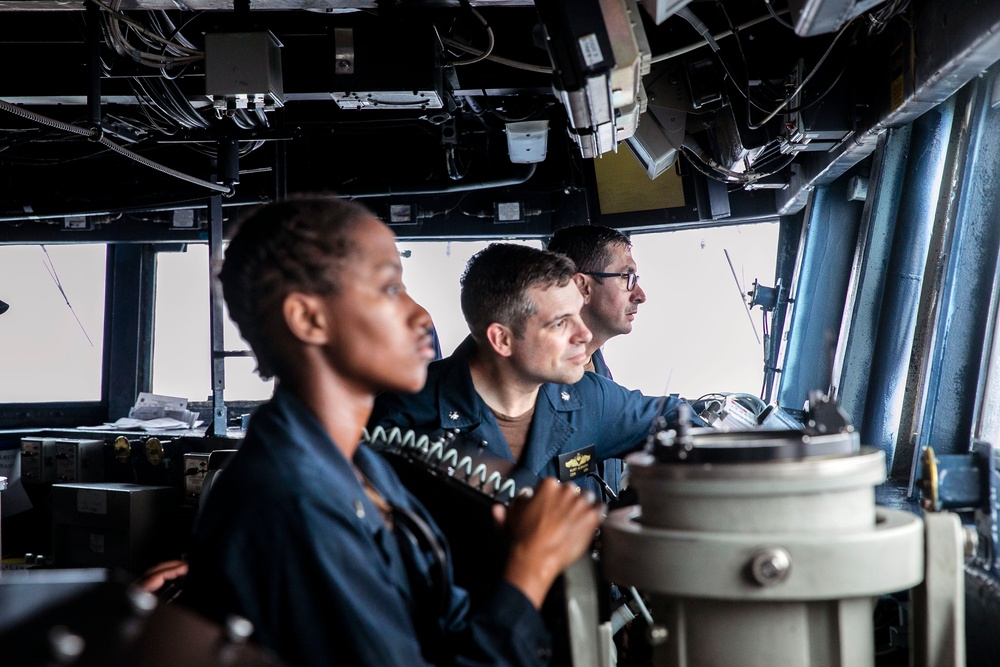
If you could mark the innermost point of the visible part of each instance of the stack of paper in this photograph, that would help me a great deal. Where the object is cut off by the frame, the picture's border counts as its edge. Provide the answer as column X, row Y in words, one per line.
column 154, row 406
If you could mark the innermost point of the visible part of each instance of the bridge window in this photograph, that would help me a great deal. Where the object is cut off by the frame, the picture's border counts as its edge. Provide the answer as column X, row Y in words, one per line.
column 693, row 335
column 182, row 340
column 52, row 335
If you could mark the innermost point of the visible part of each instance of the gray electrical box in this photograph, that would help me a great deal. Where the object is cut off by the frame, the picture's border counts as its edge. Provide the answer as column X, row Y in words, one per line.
column 79, row 460
column 112, row 525
column 38, row 460
column 195, row 468
column 243, row 70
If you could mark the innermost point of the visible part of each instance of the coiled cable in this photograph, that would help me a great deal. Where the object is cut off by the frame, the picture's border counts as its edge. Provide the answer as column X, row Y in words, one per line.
column 441, row 455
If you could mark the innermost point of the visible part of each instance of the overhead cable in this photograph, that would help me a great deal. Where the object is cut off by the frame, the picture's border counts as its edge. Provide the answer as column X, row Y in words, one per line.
column 97, row 135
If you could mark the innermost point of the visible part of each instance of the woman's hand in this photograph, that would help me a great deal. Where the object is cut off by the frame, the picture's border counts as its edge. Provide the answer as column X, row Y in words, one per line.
column 548, row 531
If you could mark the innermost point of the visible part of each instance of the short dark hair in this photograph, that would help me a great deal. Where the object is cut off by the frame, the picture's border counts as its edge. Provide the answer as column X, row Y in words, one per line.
column 297, row 244
column 589, row 246
column 496, row 282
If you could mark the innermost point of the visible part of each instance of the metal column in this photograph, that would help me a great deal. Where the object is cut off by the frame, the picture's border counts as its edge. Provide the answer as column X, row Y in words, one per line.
column 217, row 318
column 864, row 299
column 960, row 335
column 789, row 237
column 829, row 237
column 904, row 278
column 128, row 326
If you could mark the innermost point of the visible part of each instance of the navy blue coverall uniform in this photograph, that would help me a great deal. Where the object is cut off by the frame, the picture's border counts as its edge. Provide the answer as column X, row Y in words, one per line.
column 289, row 539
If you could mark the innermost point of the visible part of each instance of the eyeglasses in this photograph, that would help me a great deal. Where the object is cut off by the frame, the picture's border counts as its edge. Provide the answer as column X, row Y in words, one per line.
column 630, row 278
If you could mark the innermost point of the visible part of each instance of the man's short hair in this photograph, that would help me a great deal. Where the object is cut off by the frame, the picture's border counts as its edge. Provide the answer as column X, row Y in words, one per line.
column 297, row 244
column 589, row 246
column 496, row 282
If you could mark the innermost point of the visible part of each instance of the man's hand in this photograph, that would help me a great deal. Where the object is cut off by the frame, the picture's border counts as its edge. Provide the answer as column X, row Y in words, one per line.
column 548, row 531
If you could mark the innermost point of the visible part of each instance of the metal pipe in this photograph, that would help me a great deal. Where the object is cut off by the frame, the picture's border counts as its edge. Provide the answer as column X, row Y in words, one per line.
column 463, row 186
column 94, row 39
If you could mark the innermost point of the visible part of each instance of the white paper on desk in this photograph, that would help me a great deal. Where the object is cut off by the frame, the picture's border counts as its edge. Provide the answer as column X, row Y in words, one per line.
column 14, row 499
column 123, row 424
column 163, row 424
column 130, row 424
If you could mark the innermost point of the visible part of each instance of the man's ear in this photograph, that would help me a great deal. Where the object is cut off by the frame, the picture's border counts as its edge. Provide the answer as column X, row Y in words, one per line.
column 583, row 284
column 500, row 339
column 306, row 318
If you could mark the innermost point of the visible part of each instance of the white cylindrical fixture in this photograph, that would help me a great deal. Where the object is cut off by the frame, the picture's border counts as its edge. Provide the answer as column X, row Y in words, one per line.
column 762, row 563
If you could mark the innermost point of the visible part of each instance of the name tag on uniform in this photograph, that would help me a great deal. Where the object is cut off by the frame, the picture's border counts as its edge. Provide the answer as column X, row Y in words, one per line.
column 577, row 464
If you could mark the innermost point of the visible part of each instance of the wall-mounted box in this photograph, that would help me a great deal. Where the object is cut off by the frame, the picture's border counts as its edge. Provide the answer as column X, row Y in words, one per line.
column 243, row 70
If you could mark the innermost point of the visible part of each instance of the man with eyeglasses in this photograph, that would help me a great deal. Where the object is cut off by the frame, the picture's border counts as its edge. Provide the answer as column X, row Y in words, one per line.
column 607, row 278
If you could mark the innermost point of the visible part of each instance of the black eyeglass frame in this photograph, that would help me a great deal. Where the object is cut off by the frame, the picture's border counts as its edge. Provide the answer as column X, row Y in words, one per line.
column 631, row 279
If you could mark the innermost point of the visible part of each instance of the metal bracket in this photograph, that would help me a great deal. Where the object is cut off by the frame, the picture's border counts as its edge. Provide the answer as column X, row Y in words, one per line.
column 343, row 45
column 967, row 485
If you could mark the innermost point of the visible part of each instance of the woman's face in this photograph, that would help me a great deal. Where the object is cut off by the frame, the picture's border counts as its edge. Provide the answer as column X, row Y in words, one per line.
column 380, row 337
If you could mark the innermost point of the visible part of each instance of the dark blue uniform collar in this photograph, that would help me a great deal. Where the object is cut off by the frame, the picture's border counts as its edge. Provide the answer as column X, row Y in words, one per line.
column 304, row 426
column 601, row 366
column 459, row 405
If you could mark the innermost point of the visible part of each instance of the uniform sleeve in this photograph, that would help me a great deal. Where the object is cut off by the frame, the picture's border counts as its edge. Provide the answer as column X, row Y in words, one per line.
column 509, row 631
column 626, row 417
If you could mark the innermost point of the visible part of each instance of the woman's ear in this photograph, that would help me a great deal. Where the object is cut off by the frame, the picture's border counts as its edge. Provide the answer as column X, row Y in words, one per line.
column 306, row 318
